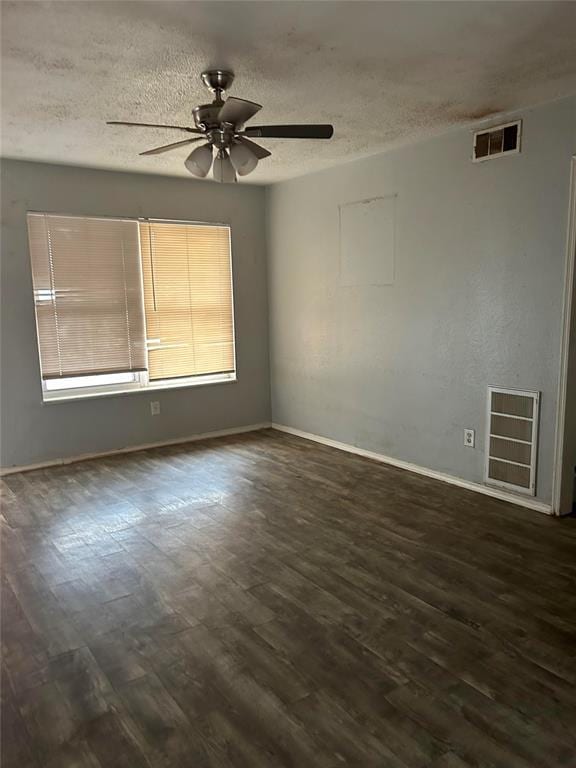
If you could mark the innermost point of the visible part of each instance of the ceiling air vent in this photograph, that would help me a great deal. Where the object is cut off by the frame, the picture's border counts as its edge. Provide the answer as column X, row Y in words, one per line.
column 497, row 141
column 511, row 439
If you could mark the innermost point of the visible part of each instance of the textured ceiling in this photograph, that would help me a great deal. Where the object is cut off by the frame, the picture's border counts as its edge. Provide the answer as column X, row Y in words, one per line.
column 382, row 73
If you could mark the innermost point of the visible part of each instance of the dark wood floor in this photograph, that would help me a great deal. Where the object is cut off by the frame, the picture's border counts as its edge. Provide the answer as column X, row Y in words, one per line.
column 262, row 601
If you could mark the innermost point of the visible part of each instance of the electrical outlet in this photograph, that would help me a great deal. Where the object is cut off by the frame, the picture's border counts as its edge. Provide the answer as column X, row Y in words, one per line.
column 469, row 438
column 155, row 408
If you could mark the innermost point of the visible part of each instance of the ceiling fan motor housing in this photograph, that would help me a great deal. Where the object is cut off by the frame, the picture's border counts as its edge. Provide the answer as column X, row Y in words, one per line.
column 206, row 116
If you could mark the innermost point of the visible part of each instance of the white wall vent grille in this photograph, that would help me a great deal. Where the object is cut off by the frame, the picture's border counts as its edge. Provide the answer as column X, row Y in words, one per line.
column 512, row 439
column 497, row 141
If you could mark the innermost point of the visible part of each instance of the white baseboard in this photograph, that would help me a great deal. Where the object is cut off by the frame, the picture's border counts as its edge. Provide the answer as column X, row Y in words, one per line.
column 134, row 448
column 522, row 501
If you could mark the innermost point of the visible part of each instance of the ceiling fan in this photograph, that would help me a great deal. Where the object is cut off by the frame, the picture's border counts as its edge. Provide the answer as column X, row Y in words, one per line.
column 221, row 125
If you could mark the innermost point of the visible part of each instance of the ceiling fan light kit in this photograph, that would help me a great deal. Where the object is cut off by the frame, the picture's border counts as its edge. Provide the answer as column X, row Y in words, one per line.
column 223, row 168
column 199, row 160
column 243, row 158
column 222, row 125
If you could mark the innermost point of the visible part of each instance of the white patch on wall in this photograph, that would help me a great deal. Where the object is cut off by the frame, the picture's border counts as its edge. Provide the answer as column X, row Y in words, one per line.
column 367, row 242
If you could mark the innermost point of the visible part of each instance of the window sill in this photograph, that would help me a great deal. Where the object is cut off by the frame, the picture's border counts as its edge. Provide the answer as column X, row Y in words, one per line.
column 131, row 389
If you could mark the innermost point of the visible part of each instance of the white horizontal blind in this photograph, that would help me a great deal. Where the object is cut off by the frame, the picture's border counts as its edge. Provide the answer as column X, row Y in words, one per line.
column 88, row 295
column 188, row 298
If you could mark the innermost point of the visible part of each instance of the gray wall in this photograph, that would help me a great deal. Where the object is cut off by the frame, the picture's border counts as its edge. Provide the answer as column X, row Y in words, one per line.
column 403, row 369
column 35, row 432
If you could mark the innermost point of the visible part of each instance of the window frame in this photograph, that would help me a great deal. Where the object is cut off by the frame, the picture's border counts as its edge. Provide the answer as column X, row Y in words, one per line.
column 141, row 382
column 142, row 385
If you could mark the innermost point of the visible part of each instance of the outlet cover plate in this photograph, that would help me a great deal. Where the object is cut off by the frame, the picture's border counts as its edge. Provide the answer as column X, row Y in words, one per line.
column 469, row 438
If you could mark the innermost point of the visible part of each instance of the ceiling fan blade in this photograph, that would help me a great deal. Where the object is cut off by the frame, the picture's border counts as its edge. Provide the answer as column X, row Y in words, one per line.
column 168, row 147
column 237, row 111
column 154, row 125
column 290, row 131
column 258, row 151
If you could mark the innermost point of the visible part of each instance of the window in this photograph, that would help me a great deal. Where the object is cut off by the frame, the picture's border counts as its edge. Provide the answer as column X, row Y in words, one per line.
column 125, row 304
column 187, row 299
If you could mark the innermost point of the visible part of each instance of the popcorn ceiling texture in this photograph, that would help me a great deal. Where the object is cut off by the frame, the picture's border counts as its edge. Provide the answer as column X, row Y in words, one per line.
column 383, row 73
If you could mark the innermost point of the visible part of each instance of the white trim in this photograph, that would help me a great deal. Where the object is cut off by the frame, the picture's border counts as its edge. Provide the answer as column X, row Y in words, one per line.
column 509, row 461
column 135, row 448
column 569, row 278
column 509, row 415
column 510, row 439
column 88, row 393
column 522, row 501
column 107, row 217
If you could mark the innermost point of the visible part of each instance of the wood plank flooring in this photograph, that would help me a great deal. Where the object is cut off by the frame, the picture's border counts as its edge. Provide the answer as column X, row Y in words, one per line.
column 261, row 601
